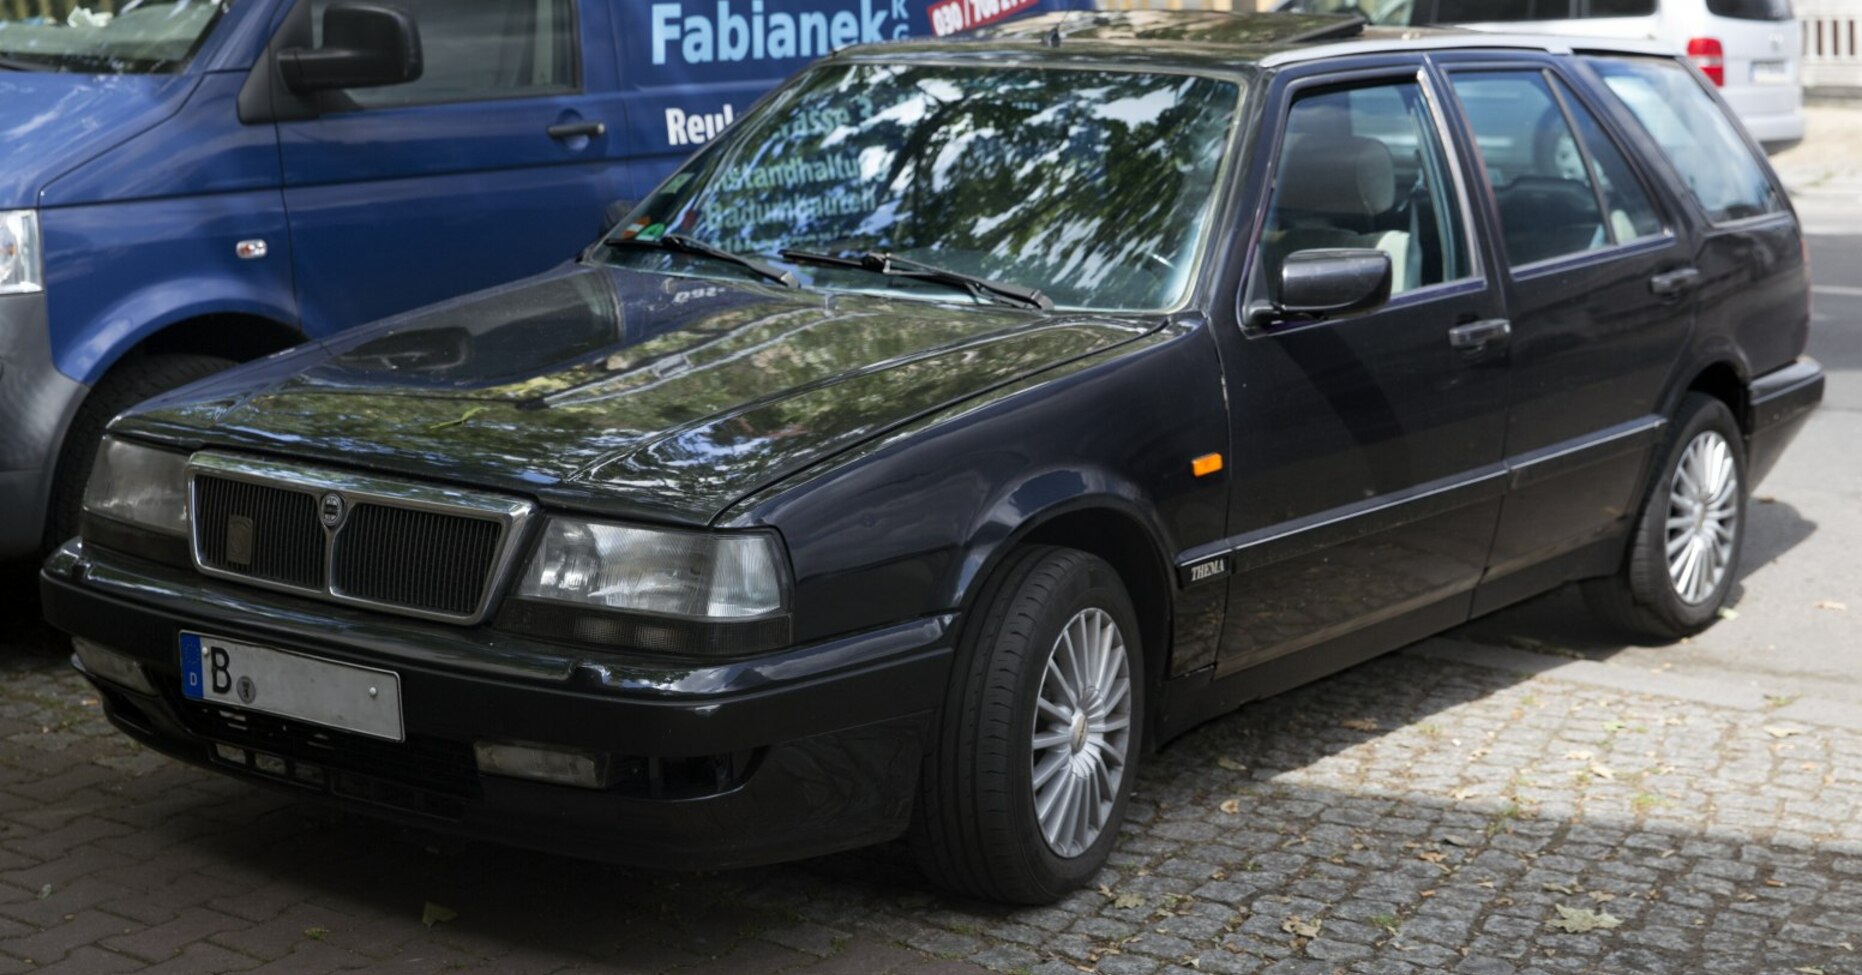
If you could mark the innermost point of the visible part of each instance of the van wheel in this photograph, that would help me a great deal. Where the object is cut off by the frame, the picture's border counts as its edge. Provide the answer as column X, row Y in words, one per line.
column 130, row 382
column 1685, row 550
column 1036, row 753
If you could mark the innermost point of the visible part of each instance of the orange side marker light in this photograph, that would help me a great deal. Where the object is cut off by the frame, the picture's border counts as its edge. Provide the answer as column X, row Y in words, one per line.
column 1206, row 465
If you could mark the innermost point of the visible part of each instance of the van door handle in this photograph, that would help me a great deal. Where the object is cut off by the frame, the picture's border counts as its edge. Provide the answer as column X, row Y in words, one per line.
column 573, row 130
column 1475, row 336
column 1671, row 283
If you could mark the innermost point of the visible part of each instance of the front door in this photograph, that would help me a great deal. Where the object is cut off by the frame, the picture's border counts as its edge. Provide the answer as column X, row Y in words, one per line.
column 1367, row 467
column 497, row 163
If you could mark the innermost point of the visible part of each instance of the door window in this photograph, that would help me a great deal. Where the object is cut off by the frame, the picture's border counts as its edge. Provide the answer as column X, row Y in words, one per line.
column 1695, row 134
column 1626, row 201
column 1540, row 172
column 481, row 49
column 1364, row 167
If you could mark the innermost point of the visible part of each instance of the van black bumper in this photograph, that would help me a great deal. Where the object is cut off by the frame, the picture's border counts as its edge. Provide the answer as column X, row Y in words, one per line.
column 797, row 754
column 1777, row 406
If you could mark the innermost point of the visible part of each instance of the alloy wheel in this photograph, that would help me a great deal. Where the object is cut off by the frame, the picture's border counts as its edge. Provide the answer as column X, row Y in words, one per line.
column 1082, row 731
column 1703, row 513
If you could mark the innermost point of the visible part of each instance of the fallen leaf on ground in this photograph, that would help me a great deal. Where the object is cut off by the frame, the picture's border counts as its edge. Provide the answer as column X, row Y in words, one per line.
column 1462, row 794
column 1223, row 761
column 1453, row 840
column 1578, row 756
column 1231, row 806
column 1126, row 902
column 1774, row 883
column 45, row 891
column 1808, row 970
column 1779, row 731
column 1603, row 771
column 1360, row 724
column 1560, row 889
column 1832, row 604
column 1300, row 928
column 1580, row 920
column 435, row 914
column 1432, row 856
column 1602, row 897
column 316, row 934
column 1728, row 614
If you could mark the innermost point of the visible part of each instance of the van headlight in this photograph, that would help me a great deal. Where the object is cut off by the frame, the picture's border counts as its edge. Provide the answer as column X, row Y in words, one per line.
column 142, row 487
column 22, row 265
column 629, row 587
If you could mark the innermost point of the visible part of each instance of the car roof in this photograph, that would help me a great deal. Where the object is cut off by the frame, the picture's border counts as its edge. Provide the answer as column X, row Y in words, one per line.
column 1217, row 41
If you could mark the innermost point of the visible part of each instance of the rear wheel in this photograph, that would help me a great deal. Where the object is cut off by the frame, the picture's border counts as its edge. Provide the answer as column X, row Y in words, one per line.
column 130, row 382
column 1685, row 551
column 1035, row 758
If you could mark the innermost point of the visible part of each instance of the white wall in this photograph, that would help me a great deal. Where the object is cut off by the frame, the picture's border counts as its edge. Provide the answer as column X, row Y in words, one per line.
column 1832, row 32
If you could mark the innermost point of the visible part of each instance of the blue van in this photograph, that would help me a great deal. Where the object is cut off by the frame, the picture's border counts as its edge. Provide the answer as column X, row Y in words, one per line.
column 185, row 184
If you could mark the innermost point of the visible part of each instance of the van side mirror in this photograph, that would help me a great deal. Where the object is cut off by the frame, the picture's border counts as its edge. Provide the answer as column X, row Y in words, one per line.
column 1326, row 283
column 365, row 45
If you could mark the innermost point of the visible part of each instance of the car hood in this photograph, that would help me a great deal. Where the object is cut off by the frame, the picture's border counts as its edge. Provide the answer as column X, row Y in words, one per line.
column 634, row 394
column 51, row 123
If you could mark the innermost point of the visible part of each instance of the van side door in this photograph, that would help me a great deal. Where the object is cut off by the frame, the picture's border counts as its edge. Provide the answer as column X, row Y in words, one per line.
column 496, row 163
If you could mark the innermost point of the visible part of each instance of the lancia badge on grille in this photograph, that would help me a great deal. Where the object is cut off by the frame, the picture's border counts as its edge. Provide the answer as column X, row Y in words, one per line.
column 331, row 510
column 239, row 532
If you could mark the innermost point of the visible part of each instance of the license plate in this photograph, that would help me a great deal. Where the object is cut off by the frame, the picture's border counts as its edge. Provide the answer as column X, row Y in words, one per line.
column 1770, row 72
column 291, row 685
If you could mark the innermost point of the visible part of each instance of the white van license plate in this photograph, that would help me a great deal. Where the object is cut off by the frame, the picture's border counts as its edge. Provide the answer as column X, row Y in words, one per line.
column 343, row 696
column 1770, row 72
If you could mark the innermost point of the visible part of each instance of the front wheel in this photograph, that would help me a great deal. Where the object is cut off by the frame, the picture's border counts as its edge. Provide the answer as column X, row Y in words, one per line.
column 1036, row 754
column 1684, row 553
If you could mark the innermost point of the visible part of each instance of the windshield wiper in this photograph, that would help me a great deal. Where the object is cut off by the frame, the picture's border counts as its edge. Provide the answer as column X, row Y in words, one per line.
column 681, row 244
column 22, row 64
column 901, row 267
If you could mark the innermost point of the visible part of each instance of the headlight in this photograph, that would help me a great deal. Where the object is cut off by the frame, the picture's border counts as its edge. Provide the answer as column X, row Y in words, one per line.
column 689, row 575
column 689, row 593
column 22, row 269
column 140, row 486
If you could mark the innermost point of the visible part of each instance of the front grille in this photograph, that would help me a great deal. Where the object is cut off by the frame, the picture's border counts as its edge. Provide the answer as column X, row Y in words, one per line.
column 430, row 561
column 432, row 764
column 259, row 531
column 403, row 547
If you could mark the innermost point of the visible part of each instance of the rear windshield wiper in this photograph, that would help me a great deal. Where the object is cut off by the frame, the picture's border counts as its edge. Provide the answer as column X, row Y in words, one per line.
column 681, row 244
column 900, row 267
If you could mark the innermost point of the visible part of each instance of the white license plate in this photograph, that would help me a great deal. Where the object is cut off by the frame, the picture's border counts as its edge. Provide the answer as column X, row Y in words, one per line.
column 359, row 699
column 1770, row 72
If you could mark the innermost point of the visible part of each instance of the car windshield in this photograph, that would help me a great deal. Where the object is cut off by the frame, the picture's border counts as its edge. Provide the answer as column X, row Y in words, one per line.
column 104, row 36
column 1092, row 187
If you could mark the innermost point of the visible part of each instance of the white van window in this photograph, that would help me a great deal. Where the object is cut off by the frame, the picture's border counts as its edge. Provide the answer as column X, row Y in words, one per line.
column 481, row 49
column 1751, row 9
column 1695, row 134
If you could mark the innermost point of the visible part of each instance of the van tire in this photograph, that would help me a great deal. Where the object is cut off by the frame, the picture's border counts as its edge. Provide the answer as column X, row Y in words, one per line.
column 125, row 385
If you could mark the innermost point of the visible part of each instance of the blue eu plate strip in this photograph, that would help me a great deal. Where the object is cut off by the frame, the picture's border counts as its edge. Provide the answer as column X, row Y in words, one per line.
column 190, row 667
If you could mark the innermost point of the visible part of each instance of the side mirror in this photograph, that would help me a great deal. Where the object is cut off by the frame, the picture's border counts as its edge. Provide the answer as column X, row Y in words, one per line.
column 616, row 212
column 365, row 45
column 1327, row 283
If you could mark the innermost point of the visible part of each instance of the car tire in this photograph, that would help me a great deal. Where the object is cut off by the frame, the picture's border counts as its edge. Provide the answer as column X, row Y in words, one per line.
column 129, row 383
column 1695, row 510
column 1012, row 743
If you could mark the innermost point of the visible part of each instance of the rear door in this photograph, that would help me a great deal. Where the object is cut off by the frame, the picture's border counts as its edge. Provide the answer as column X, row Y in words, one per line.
column 1600, row 286
column 497, row 163
column 1367, row 472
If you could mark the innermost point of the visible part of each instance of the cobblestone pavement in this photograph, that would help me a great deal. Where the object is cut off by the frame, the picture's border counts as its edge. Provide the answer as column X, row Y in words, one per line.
column 1416, row 814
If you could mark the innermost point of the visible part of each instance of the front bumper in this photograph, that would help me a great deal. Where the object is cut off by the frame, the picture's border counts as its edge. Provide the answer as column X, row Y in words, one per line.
column 805, row 752
column 36, row 405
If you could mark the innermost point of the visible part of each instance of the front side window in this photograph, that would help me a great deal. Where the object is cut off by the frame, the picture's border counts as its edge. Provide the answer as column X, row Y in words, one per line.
column 1090, row 186
column 1540, row 180
column 1363, row 168
column 1695, row 134
column 480, row 49
column 107, row 37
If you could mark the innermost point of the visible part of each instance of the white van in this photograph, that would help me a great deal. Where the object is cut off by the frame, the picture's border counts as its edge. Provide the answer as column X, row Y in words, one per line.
column 1749, row 48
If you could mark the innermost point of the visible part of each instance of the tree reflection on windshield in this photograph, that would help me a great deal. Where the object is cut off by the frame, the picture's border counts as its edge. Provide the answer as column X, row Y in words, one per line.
column 1091, row 186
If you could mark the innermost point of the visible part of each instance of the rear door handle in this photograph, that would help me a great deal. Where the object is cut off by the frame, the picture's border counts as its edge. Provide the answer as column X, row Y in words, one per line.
column 571, row 130
column 1475, row 336
column 1671, row 283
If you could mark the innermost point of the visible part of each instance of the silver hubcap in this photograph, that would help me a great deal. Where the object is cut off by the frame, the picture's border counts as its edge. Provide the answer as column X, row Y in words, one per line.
column 1703, row 515
column 1082, row 730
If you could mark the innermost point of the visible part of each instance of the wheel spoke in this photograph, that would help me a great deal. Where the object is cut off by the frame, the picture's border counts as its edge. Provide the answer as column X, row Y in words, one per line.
column 1043, row 742
column 1060, row 680
column 1044, row 772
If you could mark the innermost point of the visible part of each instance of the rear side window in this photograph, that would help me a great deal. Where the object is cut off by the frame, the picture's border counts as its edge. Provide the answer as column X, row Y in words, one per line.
column 1751, row 9
column 1718, row 167
column 1541, row 182
column 481, row 49
column 1627, row 209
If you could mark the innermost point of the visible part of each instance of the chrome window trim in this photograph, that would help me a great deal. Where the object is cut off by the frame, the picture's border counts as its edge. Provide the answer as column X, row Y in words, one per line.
column 512, row 514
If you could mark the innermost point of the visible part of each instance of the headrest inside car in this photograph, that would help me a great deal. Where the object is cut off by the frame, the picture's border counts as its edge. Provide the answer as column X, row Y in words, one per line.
column 1337, row 175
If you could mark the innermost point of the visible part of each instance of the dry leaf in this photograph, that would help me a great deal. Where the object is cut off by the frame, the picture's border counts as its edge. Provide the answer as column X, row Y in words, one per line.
column 435, row 914
column 1808, row 970
column 1560, row 889
column 1223, row 761
column 1431, row 856
column 1231, row 806
column 1360, row 724
column 1779, row 731
column 1833, row 605
column 1728, row 614
column 1602, row 897
column 316, row 934
column 1578, row 756
column 1462, row 794
column 1603, row 771
column 1300, row 928
column 1126, row 902
column 1452, row 840
column 1774, row 883
column 1579, row 920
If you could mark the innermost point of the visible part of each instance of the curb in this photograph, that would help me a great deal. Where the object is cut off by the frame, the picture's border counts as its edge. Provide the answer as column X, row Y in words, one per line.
column 1700, row 690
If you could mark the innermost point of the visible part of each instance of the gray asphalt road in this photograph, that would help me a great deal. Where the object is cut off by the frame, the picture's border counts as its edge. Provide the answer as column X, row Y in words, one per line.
column 1804, row 553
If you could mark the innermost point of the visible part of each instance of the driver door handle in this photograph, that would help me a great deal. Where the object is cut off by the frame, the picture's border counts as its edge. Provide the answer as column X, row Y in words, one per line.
column 571, row 130
column 1475, row 336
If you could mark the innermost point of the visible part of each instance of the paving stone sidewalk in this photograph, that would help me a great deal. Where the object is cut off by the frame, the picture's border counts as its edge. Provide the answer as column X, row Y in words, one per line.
column 1412, row 815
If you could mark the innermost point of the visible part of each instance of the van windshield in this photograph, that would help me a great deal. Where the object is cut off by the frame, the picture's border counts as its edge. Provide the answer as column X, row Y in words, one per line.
column 1091, row 186
column 104, row 36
